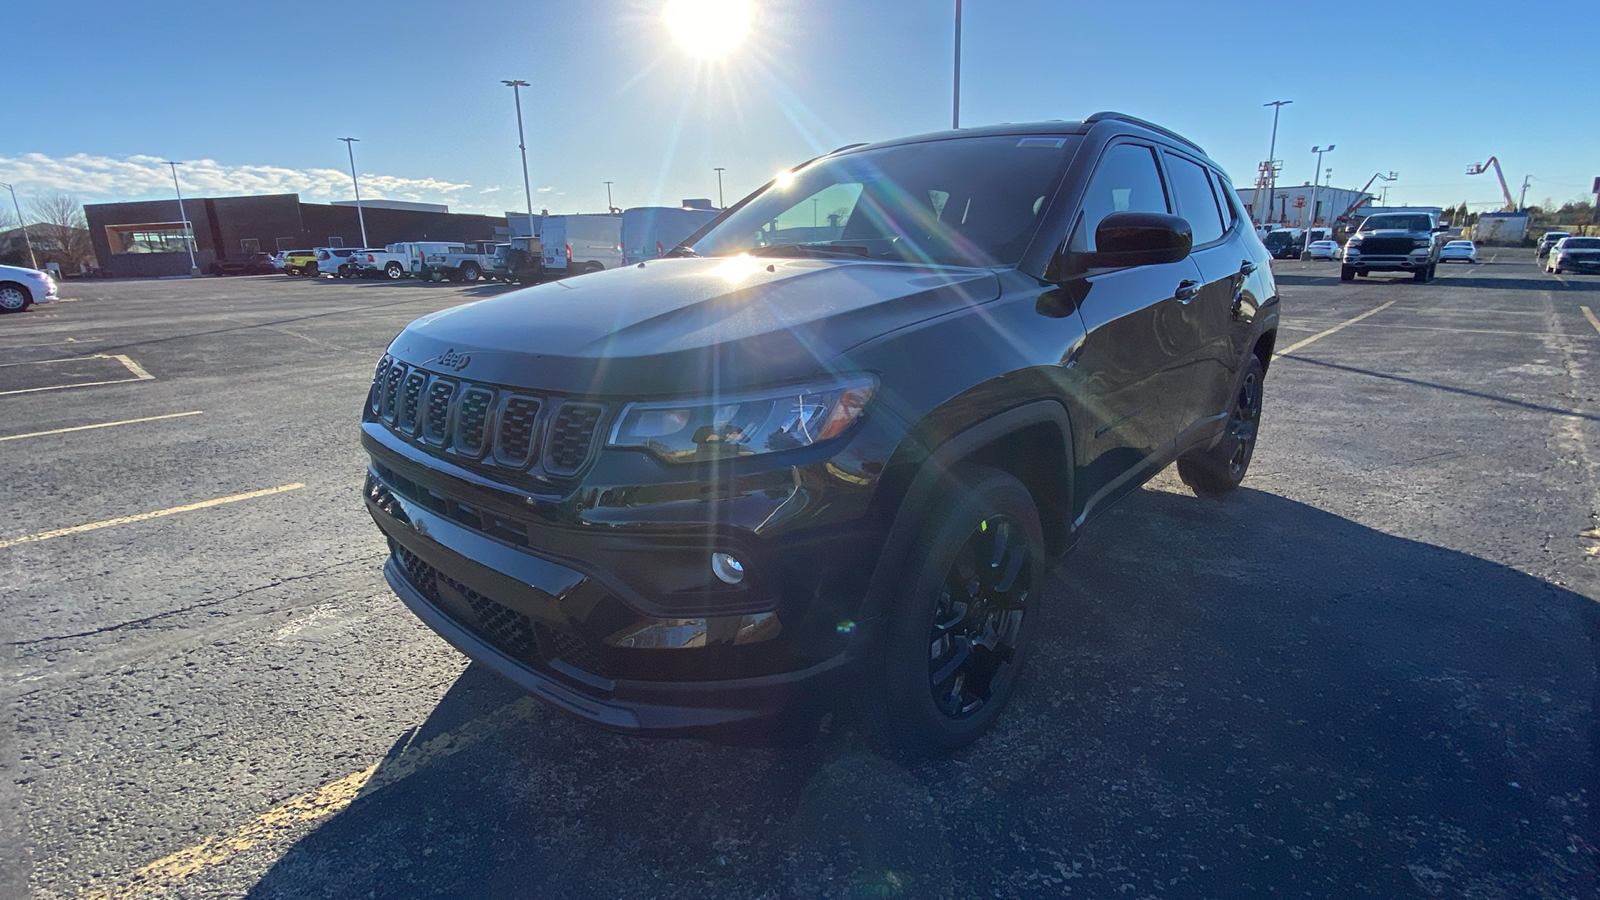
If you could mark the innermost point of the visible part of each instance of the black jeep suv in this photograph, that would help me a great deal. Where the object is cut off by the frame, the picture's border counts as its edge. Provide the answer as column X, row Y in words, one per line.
column 830, row 445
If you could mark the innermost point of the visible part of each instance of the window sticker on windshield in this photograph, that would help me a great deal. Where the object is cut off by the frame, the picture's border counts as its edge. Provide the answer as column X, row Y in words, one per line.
column 1052, row 143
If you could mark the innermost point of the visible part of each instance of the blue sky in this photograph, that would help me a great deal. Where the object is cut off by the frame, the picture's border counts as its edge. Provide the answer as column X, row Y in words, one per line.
column 256, row 95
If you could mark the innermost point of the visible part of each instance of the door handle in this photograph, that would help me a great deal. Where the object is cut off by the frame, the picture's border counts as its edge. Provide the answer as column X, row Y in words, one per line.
column 1246, row 267
column 1187, row 290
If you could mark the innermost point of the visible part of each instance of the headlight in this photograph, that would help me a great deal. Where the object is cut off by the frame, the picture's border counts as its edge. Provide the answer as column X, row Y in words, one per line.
column 1422, row 242
column 744, row 424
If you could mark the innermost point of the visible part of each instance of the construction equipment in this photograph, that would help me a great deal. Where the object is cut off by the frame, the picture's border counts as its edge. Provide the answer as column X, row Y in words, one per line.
column 1361, row 195
column 1480, row 168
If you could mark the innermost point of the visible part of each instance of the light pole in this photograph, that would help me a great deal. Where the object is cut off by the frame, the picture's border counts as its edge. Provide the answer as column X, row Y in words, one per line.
column 609, row 207
column 516, row 85
column 955, row 108
column 183, row 218
column 1272, row 151
column 1316, row 183
column 32, row 260
column 1522, row 200
column 719, row 187
column 350, row 144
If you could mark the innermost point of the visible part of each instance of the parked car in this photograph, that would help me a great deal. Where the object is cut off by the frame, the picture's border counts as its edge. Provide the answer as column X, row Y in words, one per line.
column 1574, row 254
column 391, row 262
column 1324, row 250
column 1459, row 251
column 21, row 288
column 1394, row 242
column 573, row 245
column 278, row 260
column 243, row 264
column 333, row 261
column 1550, row 239
column 1283, row 244
column 722, row 490
column 519, row 262
column 300, row 262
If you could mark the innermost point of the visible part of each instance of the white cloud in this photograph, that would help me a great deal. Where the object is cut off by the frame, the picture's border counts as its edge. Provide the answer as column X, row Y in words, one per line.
column 544, row 190
column 106, row 178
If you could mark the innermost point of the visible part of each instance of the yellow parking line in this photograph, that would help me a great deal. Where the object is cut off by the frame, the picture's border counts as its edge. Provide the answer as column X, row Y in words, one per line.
column 279, row 822
column 18, row 437
column 141, row 517
column 1589, row 314
column 1339, row 327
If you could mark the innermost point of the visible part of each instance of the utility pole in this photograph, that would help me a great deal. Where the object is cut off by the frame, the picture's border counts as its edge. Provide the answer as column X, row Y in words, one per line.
column 183, row 218
column 32, row 260
column 1522, row 200
column 955, row 108
column 1272, row 151
column 349, row 144
column 1316, row 182
column 719, row 187
column 516, row 86
column 609, row 207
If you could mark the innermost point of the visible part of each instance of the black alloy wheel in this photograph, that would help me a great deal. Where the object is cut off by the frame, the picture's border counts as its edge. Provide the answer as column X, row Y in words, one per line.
column 1219, row 469
column 956, row 635
column 977, row 620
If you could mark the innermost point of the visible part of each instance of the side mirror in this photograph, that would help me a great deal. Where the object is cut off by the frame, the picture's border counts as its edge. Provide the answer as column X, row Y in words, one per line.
column 1125, row 239
column 1439, row 229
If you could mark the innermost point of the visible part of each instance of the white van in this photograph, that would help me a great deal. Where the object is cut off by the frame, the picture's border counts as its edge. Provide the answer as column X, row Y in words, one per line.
column 582, row 243
column 648, row 232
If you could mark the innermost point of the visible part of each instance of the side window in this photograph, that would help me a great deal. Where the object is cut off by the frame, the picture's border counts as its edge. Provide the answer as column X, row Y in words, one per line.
column 1229, row 200
column 1126, row 180
column 1196, row 201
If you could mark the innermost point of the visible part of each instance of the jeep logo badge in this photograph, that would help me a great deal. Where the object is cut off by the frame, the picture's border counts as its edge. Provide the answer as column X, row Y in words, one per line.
column 453, row 360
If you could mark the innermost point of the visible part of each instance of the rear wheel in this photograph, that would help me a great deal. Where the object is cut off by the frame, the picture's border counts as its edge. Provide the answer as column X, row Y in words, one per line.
column 1219, row 469
column 14, row 297
column 392, row 271
column 311, row 270
column 470, row 272
column 958, row 633
column 593, row 266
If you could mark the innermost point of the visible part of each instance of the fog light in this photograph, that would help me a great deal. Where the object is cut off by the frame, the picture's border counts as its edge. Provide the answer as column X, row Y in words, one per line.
column 727, row 568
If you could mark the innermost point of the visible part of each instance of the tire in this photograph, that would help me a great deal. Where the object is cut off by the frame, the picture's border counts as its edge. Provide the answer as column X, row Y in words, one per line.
column 393, row 272
column 470, row 273
column 946, row 666
column 1217, row 470
column 1347, row 274
column 1420, row 276
column 593, row 266
column 14, row 297
column 311, row 270
column 1433, row 271
column 1556, row 270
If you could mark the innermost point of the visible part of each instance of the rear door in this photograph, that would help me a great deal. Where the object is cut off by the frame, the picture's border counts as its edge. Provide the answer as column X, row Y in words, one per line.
column 1132, row 361
column 1201, row 323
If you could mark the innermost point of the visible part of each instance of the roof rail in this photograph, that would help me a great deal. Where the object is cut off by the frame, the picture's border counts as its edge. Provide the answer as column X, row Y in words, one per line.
column 1106, row 116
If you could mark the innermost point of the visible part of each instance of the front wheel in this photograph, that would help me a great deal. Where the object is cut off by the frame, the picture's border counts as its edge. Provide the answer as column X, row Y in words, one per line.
column 14, row 298
column 958, row 633
column 1347, row 273
column 1219, row 469
column 311, row 270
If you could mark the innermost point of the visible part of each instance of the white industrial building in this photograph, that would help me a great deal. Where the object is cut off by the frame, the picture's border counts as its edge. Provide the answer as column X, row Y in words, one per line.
column 1292, row 205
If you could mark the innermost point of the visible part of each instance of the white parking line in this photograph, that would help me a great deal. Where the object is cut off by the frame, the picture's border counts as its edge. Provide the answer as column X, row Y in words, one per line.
column 1339, row 327
column 138, row 371
column 18, row 437
column 1589, row 314
column 141, row 517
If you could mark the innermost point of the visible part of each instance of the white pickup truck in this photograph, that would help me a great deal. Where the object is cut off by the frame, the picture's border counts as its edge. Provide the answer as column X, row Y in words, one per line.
column 456, row 260
column 392, row 262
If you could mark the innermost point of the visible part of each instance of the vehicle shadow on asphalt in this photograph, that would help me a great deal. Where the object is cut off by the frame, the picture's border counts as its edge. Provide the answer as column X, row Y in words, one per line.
column 1245, row 697
column 1536, row 283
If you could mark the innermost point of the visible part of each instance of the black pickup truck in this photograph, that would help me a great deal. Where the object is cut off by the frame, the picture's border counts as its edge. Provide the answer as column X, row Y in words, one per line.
column 1394, row 242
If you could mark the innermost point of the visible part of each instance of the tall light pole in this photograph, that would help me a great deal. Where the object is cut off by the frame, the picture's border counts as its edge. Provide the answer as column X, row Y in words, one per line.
column 32, row 260
column 1522, row 200
column 1316, row 183
column 183, row 218
column 609, row 207
column 955, row 108
column 350, row 144
column 1272, row 152
column 719, row 187
column 516, row 85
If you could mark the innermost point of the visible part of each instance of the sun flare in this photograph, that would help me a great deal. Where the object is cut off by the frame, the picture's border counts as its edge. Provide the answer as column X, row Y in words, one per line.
column 709, row 29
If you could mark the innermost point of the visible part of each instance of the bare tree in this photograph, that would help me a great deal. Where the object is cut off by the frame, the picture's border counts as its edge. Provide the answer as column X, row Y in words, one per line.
column 60, row 231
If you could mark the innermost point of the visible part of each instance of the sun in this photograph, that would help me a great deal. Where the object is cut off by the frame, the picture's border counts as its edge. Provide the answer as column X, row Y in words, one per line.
column 709, row 29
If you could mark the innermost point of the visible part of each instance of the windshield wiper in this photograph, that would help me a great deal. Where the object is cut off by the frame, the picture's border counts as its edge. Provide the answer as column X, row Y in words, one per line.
column 679, row 251
column 822, row 250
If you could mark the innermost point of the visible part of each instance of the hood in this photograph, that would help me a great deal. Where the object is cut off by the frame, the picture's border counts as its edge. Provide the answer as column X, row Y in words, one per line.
column 679, row 326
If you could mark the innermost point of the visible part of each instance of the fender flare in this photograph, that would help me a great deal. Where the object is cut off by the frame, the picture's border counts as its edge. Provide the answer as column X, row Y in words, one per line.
column 923, row 492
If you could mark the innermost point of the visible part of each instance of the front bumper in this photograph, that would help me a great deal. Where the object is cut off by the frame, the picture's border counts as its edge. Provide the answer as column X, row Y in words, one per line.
column 1386, row 262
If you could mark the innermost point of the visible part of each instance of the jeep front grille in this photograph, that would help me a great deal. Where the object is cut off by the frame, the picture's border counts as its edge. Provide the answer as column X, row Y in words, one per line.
column 485, row 423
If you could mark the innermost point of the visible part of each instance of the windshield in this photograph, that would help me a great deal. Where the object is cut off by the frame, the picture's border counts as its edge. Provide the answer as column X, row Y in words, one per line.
column 1581, row 244
column 1401, row 223
column 965, row 202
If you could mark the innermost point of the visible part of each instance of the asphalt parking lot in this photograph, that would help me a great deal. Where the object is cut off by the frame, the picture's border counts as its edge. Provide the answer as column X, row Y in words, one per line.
column 1371, row 672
